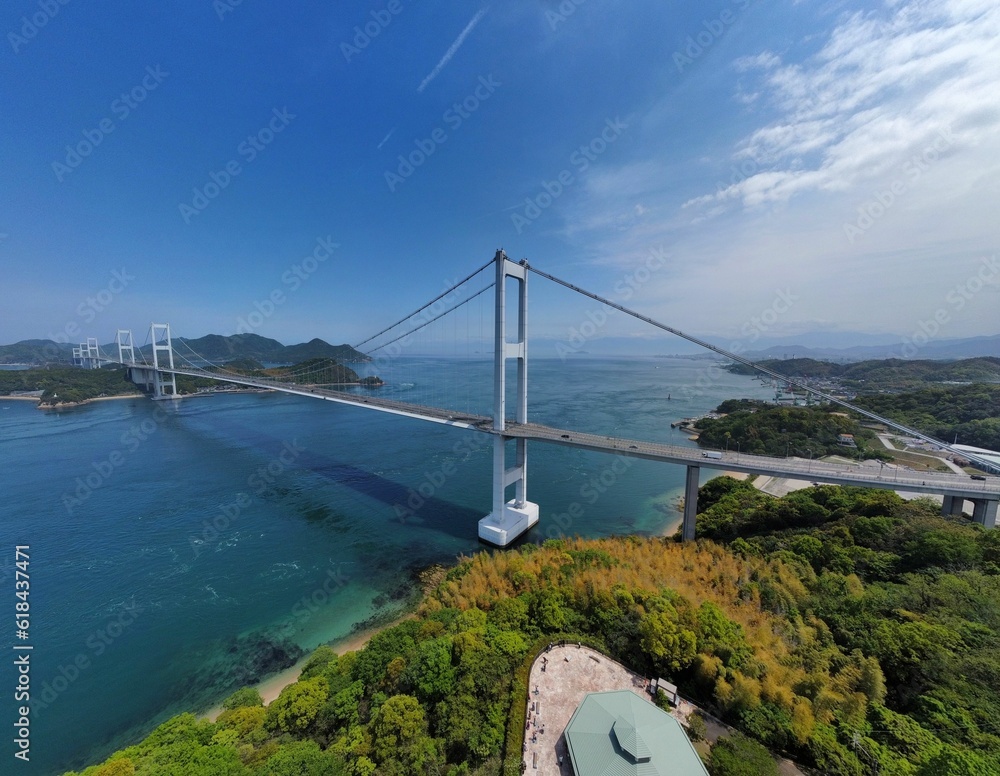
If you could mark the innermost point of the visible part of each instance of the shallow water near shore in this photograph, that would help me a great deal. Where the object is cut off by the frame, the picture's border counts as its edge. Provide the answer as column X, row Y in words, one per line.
column 181, row 549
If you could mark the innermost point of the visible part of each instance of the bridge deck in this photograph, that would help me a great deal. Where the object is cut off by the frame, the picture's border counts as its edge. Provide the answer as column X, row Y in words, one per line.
column 948, row 484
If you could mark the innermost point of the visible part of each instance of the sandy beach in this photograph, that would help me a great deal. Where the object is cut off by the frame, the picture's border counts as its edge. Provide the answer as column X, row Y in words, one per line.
column 672, row 527
column 271, row 687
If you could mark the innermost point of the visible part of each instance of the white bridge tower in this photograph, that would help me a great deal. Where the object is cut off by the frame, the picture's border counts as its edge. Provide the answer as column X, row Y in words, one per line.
column 163, row 385
column 162, row 382
column 509, row 518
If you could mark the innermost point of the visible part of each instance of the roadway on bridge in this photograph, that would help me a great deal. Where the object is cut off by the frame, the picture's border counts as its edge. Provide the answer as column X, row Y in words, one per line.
column 796, row 468
column 872, row 476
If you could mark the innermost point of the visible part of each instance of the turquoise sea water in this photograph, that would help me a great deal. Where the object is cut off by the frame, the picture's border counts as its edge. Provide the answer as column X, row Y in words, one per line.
column 175, row 545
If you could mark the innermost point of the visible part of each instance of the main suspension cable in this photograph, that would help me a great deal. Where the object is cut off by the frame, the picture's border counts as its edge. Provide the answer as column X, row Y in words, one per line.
column 437, row 317
column 435, row 299
column 982, row 462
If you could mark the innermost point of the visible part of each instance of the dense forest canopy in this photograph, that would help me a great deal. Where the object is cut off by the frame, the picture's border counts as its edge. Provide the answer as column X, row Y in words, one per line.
column 766, row 429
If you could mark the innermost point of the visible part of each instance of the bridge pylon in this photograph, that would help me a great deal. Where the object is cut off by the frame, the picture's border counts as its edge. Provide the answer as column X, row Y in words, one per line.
column 123, row 339
column 88, row 355
column 162, row 383
column 509, row 518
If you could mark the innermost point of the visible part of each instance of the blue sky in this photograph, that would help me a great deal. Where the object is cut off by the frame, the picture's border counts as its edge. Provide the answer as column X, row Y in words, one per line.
column 822, row 167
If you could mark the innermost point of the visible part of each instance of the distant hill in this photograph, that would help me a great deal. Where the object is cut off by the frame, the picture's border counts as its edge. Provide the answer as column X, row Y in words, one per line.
column 36, row 351
column 213, row 347
column 886, row 374
column 970, row 347
column 968, row 413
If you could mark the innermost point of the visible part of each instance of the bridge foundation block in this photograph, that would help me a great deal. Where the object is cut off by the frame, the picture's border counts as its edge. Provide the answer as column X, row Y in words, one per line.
column 513, row 520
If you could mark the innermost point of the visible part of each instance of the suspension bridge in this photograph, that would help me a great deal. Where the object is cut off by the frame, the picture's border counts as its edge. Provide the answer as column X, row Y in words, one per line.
column 512, row 513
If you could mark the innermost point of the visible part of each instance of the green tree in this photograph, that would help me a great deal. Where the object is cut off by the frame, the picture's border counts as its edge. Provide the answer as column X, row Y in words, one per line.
column 399, row 736
column 697, row 730
column 718, row 635
column 670, row 645
column 955, row 762
column 510, row 614
column 548, row 610
column 120, row 766
column 430, row 673
column 298, row 705
column 246, row 724
column 323, row 659
column 303, row 758
column 247, row 696
column 737, row 755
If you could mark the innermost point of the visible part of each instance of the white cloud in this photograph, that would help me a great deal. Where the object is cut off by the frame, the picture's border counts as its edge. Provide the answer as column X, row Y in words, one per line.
column 879, row 91
column 902, row 96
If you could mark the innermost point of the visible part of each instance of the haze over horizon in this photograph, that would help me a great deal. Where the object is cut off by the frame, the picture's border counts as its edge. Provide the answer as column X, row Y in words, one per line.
column 829, row 169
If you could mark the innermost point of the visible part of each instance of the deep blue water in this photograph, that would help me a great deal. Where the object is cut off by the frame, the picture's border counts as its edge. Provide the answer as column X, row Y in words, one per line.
column 160, row 532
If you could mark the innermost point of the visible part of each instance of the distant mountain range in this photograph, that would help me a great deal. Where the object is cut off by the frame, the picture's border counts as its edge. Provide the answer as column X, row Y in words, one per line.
column 212, row 347
column 215, row 347
column 818, row 345
column 970, row 347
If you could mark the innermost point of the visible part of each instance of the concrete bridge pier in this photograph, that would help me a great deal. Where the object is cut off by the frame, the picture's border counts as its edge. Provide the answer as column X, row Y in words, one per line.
column 984, row 512
column 690, row 503
column 141, row 376
column 952, row 505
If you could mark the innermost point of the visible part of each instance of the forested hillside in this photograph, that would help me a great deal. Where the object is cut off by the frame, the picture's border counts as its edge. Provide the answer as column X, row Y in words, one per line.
column 885, row 374
column 767, row 429
column 969, row 412
column 858, row 633
column 67, row 383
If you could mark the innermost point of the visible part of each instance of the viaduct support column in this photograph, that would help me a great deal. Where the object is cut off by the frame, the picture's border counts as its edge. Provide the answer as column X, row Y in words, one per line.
column 984, row 512
column 952, row 505
column 690, row 503
column 509, row 519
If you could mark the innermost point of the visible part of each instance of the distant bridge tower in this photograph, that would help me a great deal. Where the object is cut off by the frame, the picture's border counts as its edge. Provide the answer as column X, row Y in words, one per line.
column 509, row 519
column 123, row 338
column 160, row 381
column 88, row 355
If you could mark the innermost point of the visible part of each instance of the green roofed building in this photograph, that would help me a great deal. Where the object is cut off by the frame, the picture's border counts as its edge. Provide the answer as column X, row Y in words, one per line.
column 620, row 734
